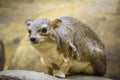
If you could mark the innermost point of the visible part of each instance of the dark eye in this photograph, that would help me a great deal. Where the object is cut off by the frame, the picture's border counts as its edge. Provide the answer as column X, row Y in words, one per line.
column 44, row 30
column 29, row 31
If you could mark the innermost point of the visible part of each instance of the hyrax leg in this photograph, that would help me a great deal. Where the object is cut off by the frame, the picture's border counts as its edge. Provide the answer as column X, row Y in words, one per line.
column 63, row 69
column 98, row 59
column 73, row 50
column 99, row 65
column 49, row 70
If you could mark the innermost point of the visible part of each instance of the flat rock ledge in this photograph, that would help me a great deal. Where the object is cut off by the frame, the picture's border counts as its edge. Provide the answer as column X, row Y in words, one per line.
column 25, row 75
column 31, row 75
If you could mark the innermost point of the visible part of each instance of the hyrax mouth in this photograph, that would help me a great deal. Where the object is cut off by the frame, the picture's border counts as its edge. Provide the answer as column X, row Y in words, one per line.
column 37, row 42
column 34, row 42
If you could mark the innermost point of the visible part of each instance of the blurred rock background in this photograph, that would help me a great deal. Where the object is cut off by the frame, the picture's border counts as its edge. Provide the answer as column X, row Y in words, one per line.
column 102, row 15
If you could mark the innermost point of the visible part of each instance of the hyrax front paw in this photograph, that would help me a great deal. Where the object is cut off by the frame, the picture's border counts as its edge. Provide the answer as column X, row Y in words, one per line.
column 59, row 74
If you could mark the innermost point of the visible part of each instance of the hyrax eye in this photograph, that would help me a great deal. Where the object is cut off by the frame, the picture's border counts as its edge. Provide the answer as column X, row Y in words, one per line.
column 44, row 30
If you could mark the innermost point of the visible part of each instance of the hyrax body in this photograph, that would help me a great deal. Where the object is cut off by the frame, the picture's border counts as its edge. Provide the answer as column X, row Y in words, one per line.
column 66, row 45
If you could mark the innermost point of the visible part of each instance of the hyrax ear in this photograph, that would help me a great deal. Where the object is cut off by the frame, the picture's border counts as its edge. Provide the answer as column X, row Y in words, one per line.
column 56, row 23
column 28, row 22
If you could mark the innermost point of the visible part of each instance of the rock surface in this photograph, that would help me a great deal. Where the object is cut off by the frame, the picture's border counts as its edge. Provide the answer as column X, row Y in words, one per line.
column 25, row 75
column 31, row 75
column 82, row 77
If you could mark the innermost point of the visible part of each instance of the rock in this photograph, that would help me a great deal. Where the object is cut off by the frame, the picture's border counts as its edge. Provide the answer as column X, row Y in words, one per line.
column 85, row 77
column 2, row 56
column 24, row 75
column 31, row 75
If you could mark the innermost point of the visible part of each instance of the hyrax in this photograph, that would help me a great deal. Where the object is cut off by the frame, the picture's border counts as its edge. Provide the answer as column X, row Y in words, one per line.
column 67, row 45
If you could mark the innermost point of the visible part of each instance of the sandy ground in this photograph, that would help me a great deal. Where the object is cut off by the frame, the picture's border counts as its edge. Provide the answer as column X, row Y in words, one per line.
column 102, row 15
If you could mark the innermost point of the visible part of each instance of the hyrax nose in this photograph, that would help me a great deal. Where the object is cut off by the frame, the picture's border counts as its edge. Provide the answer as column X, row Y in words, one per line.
column 32, row 39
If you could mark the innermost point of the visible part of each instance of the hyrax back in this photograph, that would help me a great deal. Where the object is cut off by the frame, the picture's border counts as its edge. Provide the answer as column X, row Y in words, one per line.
column 88, row 46
column 74, row 40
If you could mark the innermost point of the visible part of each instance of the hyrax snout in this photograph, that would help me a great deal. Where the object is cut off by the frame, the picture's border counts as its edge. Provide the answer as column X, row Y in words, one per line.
column 67, row 45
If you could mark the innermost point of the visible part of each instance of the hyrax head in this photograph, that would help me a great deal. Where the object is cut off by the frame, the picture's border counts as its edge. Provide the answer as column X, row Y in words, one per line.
column 40, row 30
